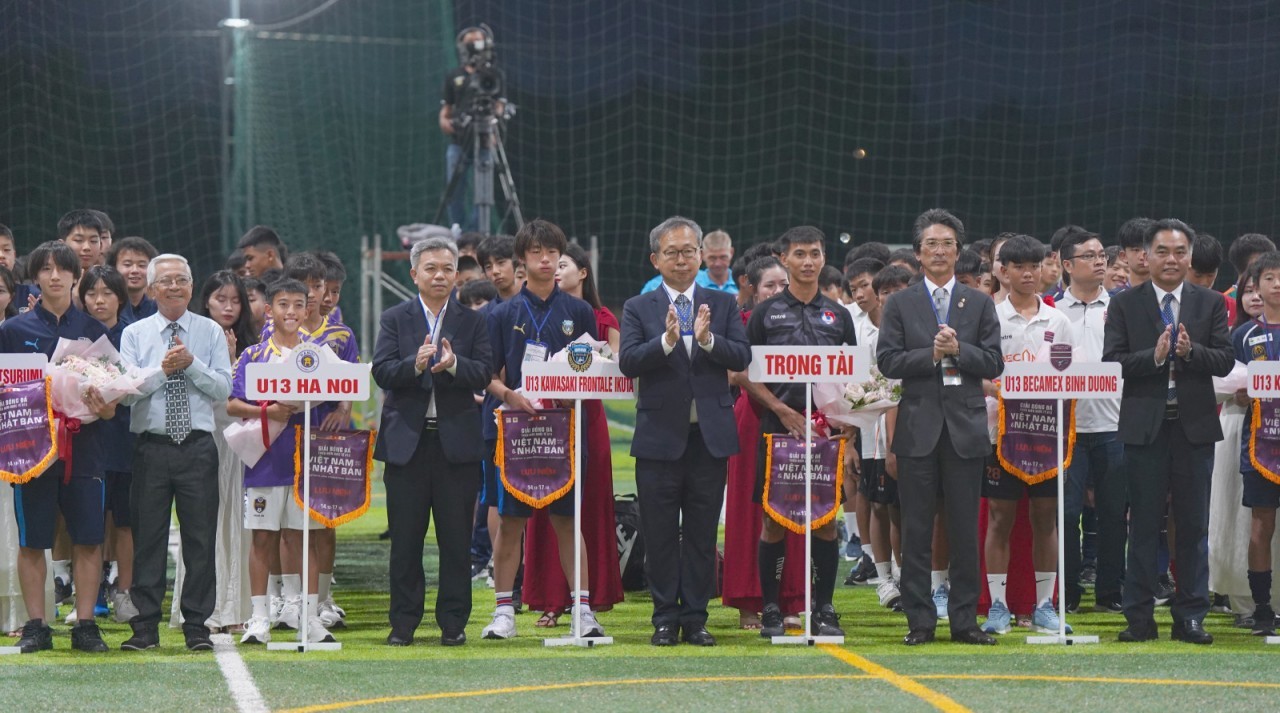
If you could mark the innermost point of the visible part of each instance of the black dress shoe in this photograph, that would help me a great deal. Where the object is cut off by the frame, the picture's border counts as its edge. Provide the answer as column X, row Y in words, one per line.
column 1135, row 634
column 397, row 638
column 918, row 636
column 197, row 638
column 664, row 635
column 453, row 638
column 1191, row 632
column 145, row 636
column 976, row 637
column 698, row 636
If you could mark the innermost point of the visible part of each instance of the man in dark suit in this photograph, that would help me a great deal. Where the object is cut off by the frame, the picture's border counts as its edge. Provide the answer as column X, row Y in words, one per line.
column 941, row 339
column 1171, row 338
column 431, row 356
column 681, row 341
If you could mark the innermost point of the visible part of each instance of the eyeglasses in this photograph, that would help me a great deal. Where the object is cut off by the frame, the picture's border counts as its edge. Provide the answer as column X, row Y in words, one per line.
column 174, row 282
column 936, row 245
column 687, row 254
column 1089, row 257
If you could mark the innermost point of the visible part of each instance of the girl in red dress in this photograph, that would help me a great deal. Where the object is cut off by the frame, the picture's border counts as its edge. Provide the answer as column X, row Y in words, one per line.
column 741, row 586
column 545, row 587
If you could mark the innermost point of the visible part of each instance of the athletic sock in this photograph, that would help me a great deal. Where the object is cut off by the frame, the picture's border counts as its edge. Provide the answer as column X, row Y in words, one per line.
column 62, row 569
column 313, row 605
column 1260, row 586
column 113, row 572
column 995, row 585
column 260, row 606
column 884, row 570
column 896, row 570
column 826, row 555
column 851, row 522
column 1046, row 585
column 771, row 556
column 291, row 586
column 274, row 585
column 583, row 599
column 503, row 599
column 326, row 580
column 938, row 578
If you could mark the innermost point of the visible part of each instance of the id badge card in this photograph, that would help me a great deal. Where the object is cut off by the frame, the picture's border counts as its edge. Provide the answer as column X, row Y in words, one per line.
column 535, row 351
column 950, row 372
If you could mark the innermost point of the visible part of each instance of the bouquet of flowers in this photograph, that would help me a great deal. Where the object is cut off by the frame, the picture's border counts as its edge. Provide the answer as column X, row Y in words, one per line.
column 858, row 404
column 78, row 364
column 1225, row 387
column 249, row 438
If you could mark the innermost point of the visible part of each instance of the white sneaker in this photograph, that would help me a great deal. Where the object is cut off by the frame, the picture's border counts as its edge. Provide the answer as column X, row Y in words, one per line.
column 72, row 618
column 257, row 631
column 888, row 592
column 125, row 610
column 289, row 613
column 587, row 626
column 273, row 614
column 316, row 633
column 503, row 625
column 331, row 615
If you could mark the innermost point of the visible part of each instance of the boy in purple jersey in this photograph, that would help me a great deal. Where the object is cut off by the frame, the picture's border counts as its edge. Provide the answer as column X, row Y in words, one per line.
column 1258, row 340
column 269, row 506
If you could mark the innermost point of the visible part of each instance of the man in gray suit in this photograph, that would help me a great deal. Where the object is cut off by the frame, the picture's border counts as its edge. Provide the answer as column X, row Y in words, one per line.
column 941, row 339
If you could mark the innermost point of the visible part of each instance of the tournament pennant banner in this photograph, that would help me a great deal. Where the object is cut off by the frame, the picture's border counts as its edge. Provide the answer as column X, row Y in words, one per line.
column 784, row 480
column 1264, row 441
column 536, row 457
column 341, row 463
column 27, row 431
column 1028, row 429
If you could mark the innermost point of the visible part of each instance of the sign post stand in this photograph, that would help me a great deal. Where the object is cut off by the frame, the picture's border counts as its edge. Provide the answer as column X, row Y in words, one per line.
column 583, row 376
column 311, row 374
column 17, row 369
column 810, row 365
column 1264, row 383
column 1045, row 381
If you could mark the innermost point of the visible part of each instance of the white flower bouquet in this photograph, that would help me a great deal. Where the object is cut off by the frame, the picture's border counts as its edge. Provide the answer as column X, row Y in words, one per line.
column 1225, row 387
column 245, row 437
column 858, row 404
column 78, row 364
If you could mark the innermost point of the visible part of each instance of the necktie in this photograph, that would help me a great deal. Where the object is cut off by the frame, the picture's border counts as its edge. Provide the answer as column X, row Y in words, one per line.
column 940, row 302
column 684, row 312
column 1166, row 311
column 177, row 409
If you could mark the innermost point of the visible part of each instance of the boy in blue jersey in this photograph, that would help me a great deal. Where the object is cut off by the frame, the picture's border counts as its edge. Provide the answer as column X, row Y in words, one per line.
column 269, row 506
column 535, row 323
column 78, row 495
column 1259, row 340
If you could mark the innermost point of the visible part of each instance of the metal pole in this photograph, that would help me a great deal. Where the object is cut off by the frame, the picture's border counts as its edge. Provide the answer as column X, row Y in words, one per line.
column 575, row 629
column 595, row 259
column 1062, row 519
column 306, row 524
column 808, row 509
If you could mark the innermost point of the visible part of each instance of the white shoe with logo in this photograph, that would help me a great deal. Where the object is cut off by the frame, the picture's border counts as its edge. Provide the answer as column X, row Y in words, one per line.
column 503, row 625
column 257, row 631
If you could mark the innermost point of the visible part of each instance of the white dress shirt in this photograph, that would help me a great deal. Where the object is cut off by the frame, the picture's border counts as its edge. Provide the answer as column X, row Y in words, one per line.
column 144, row 344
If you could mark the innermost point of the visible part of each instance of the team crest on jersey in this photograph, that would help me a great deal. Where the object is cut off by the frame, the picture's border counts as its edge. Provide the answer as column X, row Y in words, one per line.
column 1060, row 356
column 259, row 504
column 567, row 327
column 828, row 317
column 1259, row 352
column 580, row 356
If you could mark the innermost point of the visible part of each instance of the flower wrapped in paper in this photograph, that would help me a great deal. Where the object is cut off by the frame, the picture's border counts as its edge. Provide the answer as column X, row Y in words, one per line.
column 1225, row 387
column 78, row 364
column 249, row 438
column 858, row 404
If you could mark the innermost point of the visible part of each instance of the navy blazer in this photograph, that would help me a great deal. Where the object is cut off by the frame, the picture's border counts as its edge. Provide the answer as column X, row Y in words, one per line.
column 1133, row 326
column 904, row 350
column 402, row 330
column 669, row 384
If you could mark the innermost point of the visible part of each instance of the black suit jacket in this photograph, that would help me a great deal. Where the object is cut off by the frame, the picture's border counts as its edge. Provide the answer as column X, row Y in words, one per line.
column 905, row 351
column 402, row 330
column 1133, row 326
column 669, row 384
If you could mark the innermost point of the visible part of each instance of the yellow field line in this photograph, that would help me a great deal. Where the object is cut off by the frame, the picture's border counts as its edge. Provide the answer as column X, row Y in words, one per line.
column 564, row 686
column 1094, row 679
column 903, row 683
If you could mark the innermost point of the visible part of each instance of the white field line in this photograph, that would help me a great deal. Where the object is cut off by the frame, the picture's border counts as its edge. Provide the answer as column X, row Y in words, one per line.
column 239, row 681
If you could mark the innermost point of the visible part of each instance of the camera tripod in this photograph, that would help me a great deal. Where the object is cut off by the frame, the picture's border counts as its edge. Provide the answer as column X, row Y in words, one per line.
column 484, row 150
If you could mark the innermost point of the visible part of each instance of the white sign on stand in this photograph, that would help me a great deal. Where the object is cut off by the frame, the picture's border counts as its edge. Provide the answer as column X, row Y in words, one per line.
column 307, row 373
column 583, row 376
column 1057, row 381
column 810, row 365
column 1264, row 383
column 18, row 369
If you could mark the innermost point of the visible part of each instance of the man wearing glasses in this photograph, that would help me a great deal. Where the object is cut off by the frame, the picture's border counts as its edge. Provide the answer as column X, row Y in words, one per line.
column 1098, row 451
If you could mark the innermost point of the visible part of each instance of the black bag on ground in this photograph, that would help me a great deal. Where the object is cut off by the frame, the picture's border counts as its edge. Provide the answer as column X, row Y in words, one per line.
column 626, row 513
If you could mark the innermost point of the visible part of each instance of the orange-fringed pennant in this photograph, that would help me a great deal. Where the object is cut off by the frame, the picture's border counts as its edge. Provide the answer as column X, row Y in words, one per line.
column 341, row 475
column 1026, row 444
column 28, row 441
column 784, row 469
column 535, row 455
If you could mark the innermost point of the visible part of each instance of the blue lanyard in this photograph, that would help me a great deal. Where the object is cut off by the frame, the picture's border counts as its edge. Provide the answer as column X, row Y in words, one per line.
column 537, row 326
column 934, row 306
column 1266, row 329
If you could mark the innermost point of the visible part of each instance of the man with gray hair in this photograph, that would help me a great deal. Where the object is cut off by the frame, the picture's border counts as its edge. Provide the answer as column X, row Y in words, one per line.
column 175, row 460
column 431, row 356
column 717, row 256
column 681, row 341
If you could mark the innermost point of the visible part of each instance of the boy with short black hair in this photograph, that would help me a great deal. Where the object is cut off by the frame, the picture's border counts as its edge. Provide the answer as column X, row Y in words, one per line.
column 831, row 283
column 477, row 293
column 336, row 275
column 23, row 292
column 269, row 506
column 77, row 495
column 1206, row 260
column 263, row 250
column 130, row 257
column 496, row 256
column 969, row 269
column 104, row 235
column 1241, row 254
column 1026, row 323
column 906, row 258
column 468, row 270
column 1259, row 340
column 81, row 229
